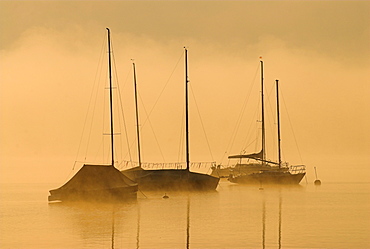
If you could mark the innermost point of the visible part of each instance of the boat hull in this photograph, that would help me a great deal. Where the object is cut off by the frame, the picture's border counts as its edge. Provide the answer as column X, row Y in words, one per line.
column 99, row 195
column 172, row 179
column 221, row 172
column 96, row 183
column 268, row 178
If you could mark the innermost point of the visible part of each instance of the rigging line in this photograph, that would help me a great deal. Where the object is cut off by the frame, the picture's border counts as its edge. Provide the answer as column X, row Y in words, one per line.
column 258, row 134
column 291, row 126
column 249, row 133
column 151, row 126
column 121, row 104
column 101, row 144
column 90, row 99
column 148, row 115
column 103, row 127
column 128, row 143
column 92, row 121
column 180, row 153
column 273, row 118
column 201, row 121
column 236, row 129
column 119, row 107
column 133, row 142
column 239, row 119
column 96, row 100
column 130, row 146
column 128, row 74
column 252, row 142
column 238, row 123
column 160, row 94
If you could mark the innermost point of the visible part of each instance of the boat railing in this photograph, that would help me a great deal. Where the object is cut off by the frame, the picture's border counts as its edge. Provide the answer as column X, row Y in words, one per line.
column 297, row 169
column 177, row 165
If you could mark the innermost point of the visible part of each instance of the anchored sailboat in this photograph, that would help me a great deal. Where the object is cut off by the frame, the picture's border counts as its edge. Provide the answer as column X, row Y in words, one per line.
column 265, row 171
column 174, row 179
column 98, row 182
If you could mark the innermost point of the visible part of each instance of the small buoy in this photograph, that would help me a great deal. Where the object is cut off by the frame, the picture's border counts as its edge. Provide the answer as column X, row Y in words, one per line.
column 317, row 182
column 165, row 196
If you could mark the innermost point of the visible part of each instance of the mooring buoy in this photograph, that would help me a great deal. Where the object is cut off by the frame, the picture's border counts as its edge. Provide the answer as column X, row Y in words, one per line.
column 317, row 182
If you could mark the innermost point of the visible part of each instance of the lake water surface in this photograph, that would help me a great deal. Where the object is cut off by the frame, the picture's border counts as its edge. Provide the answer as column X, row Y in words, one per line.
column 333, row 215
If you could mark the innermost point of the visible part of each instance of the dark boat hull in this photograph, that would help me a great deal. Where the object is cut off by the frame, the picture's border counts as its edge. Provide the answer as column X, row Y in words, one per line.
column 268, row 178
column 172, row 179
column 100, row 195
column 221, row 173
column 96, row 183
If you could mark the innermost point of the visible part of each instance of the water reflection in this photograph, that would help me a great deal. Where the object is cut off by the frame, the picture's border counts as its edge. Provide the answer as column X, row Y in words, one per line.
column 151, row 222
column 184, row 220
column 264, row 214
column 280, row 210
column 98, row 224
column 138, row 227
column 263, row 222
column 188, row 223
column 113, row 214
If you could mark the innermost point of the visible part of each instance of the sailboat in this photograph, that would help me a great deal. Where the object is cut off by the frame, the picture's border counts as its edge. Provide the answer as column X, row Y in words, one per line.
column 266, row 171
column 98, row 182
column 172, row 179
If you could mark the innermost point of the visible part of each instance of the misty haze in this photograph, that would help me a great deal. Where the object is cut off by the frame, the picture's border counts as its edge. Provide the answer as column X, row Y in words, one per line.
column 208, row 153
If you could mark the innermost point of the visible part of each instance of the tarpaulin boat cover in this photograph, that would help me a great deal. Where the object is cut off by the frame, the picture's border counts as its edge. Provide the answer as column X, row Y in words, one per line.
column 97, row 177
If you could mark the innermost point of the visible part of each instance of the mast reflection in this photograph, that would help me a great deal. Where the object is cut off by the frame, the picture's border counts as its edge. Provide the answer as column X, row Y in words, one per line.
column 138, row 226
column 263, row 222
column 280, row 211
column 113, row 215
column 188, row 224
column 264, row 215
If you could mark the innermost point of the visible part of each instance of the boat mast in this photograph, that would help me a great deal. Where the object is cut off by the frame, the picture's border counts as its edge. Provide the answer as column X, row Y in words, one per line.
column 263, row 117
column 137, row 117
column 110, row 97
column 186, row 111
column 278, row 120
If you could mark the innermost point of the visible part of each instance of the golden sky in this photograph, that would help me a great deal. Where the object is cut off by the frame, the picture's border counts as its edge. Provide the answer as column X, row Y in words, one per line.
column 319, row 50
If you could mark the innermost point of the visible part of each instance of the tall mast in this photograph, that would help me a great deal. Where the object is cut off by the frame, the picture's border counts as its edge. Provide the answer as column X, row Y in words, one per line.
column 137, row 117
column 110, row 97
column 263, row 116
column 278, row 120
column 186, row 111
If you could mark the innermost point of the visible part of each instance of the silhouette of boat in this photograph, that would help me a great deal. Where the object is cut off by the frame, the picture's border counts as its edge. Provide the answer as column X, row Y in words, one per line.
column 173, row 179
column 265, row 171
column 98, row 182
column 220, row 171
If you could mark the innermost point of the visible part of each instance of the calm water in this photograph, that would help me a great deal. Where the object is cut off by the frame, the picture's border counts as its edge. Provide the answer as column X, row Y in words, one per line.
column 330, row 216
